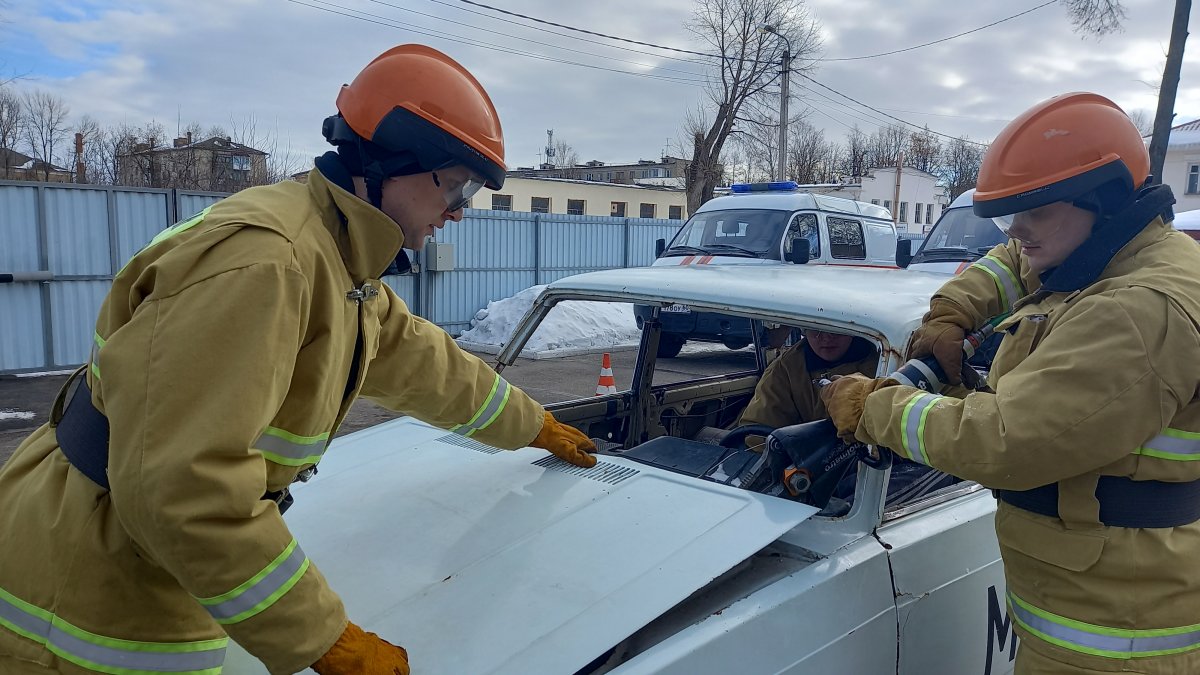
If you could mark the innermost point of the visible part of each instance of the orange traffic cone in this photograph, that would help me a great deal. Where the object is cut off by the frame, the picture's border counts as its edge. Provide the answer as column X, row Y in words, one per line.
column 606, row 385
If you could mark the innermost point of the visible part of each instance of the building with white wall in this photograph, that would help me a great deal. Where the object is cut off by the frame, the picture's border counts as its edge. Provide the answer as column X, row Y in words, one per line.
column 581, row 197
column 921, row 200
column 1181, row 170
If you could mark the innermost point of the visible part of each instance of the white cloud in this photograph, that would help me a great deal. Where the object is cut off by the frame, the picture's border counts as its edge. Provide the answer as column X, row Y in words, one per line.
column 282, row 63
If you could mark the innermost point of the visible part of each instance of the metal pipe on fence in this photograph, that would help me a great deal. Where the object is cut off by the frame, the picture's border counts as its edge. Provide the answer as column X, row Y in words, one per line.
column 19, row 277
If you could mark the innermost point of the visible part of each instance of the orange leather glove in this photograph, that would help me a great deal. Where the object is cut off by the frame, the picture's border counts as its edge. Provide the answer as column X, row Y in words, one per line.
column 941, row 335
column 845, row 397
column 565, row 442
column 357, row 652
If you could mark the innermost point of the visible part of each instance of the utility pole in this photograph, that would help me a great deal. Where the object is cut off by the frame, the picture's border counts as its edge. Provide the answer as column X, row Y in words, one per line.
column 786, row 70
column 896, row 195
column 783, row 112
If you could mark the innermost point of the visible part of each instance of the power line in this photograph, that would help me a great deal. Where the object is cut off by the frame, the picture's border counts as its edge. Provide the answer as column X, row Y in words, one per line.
column 537, row 42
column 891, row 117
column 721, row 56
column 452, row 5
column 945, row 39
column 392, row 23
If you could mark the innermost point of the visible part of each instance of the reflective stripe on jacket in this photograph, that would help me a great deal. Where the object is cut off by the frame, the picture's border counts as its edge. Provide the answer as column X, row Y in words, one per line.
column 1103, row 381
column 221, row 359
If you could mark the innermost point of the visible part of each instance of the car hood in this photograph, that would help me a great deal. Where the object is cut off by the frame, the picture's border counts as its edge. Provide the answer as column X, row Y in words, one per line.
column 482, row 561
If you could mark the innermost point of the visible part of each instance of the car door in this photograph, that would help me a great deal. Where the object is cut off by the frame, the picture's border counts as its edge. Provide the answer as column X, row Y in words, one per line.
column 949, row 583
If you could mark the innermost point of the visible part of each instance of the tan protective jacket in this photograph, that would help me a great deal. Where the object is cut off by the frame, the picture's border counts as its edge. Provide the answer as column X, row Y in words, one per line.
column 222, row 356
column 786, row 395
column 1102, row 381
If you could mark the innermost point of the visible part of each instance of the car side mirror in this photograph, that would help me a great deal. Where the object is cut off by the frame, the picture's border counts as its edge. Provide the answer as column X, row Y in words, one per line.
column 904, row 254
column 659, row 247
column 801, row 251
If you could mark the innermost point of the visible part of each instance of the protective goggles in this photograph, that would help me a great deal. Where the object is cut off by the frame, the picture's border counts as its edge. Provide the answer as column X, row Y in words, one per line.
column 458, row 195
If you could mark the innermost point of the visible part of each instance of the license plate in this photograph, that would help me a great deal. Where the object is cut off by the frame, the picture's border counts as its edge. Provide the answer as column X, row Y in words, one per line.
column 678, row 309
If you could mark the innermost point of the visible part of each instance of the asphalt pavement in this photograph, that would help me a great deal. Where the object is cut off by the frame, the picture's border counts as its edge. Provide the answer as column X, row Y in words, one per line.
column 25, row 401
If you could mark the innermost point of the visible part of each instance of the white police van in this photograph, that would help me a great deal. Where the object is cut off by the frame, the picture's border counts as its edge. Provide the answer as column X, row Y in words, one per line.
column 670, row 555
column 769, row 224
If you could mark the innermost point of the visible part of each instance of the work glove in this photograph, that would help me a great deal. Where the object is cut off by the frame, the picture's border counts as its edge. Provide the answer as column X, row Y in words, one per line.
column 941, row 336
column 844, row 398
column 565, row 442
column 357, row 652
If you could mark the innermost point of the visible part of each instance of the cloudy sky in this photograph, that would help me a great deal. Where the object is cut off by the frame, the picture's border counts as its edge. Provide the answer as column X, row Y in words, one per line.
column 280, row 62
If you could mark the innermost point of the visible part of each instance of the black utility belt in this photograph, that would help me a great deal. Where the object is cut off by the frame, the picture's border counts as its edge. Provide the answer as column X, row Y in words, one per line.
column 1123, row 502
column 83, row 434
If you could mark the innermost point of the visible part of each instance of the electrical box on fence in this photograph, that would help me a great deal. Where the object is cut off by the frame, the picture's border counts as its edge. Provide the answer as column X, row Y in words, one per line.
column 439, row 257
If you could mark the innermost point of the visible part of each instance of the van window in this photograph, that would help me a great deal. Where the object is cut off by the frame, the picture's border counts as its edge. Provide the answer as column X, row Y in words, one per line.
column 846, row 239
column 754, row 232
column 804, row 225
column 962, row 229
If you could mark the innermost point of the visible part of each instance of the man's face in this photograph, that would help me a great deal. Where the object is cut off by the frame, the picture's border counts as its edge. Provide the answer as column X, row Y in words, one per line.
column 1050, row 233
column 828, row 346
column 420, row 203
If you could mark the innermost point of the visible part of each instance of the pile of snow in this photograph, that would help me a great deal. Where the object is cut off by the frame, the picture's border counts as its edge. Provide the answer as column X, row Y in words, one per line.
column 572, row 327
column 15, row 415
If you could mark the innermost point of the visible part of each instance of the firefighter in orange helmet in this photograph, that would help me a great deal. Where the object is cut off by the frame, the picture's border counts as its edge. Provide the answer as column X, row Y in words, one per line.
column 148, row 512
column 1090, row 436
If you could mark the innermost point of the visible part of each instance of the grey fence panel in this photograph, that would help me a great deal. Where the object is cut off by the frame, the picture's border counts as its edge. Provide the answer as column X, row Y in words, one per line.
column 22, row 335
column 457, row 296
column 188, row 204
column 581, row 245
column 492, row 240
column 405, row 287
column 643, row 234
column 19, row 229
column 75, row 307
column 139, row 216
column 77, row 234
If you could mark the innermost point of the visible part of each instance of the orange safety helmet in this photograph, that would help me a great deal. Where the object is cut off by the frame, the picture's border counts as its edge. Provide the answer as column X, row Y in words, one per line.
column 1077, row 147
column 418, row 110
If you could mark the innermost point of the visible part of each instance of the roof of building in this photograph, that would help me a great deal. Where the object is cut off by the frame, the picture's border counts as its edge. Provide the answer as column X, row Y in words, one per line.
column 577, row 181
column 216, row 143
column 1183, row 136
column 19, row 160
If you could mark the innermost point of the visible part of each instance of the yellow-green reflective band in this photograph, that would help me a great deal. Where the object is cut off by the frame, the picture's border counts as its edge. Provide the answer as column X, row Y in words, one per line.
column 488, row 412
column 260, row 591
column 1006, row 282
column 912, row 426
column 97, row 343
column 284, row 447
column 1173, row 444
column 179, row 227
column 109, row 655
column 1113, row 643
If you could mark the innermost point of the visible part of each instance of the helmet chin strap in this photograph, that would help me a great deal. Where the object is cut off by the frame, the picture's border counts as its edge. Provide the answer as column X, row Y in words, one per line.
column 373, row 176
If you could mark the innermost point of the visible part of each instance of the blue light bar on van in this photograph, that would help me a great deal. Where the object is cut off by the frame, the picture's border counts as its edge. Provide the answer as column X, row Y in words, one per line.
column 774, row 186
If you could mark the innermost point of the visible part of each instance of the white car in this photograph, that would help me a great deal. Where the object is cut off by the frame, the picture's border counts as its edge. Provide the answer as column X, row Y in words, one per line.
column 1188, row 222
column 670, row 555
column 958, row 239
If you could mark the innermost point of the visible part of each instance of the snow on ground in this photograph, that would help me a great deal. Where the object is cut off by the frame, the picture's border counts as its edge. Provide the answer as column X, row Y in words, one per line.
column 16, row 415
column 46, row 373
column 572, row 327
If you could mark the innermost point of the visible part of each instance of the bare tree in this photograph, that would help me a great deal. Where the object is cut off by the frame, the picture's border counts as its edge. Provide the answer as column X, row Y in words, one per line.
column 886, row 145
column 1100, row 17
column 1095, row 17
column 808, row 154
column 1141, row 119
column 857, row 153
column 86, row 159
column 46, row 126
column 1167, row 90
column 565, row 156
column 924, row 151
column 12, row 124
column 960, row 164
column 749, row 61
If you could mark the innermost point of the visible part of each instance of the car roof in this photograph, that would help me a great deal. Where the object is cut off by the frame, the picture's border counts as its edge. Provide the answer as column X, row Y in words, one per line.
column 1187, row 220
column 887, row 302
column 794, row 200
column 963, row 200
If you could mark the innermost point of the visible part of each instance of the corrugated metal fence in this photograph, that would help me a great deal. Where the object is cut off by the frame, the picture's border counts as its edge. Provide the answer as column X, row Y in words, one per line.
column 62, row 244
